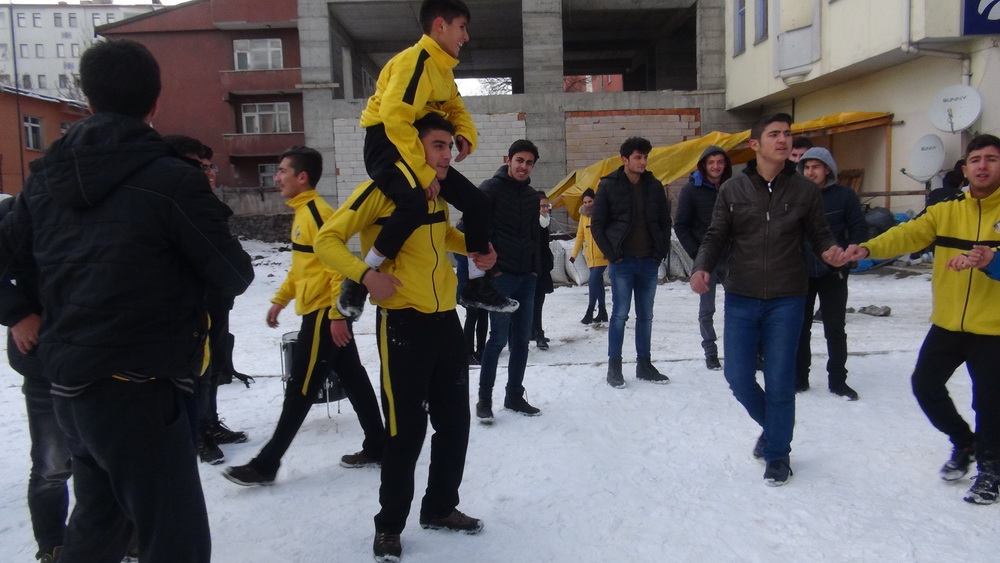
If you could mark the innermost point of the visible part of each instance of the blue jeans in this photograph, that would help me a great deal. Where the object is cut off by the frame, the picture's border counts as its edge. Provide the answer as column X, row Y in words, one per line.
column 774, row 325
column 595, row 284
column 632, row 276
column 512, row 329
column 48, row 495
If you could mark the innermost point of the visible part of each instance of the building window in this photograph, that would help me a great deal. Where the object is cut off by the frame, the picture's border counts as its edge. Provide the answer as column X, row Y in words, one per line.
column 5, row 80
column 257, row 54
column 265, row 173
column 33, row 132
column 39, row 50
column 36, row 20
column 60, row 50
column 63, row 81
column 64, row 127
column 23, row 50
column 740, row 27
column 72, row 21
column 74, row 50
column 26, row 81
column 267, row 118
column 96, row 18
column 57, row 19
column 43, row 82
column 110, row 18
column 22, row 20
column 760, row 27
column 4, row 52
column 3, row 20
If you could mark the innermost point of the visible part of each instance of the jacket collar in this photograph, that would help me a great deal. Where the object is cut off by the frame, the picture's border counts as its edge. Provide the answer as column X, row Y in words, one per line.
column 302, row 199
column 437, row 53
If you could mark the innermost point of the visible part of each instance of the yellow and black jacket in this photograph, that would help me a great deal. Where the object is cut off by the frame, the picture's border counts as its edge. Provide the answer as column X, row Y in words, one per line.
column 312, row 285
column 415, row 82
column 963, row 301
column 422, row 265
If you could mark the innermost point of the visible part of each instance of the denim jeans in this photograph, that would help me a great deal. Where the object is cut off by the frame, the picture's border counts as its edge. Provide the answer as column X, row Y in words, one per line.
column 774, row 326
column 706, row 317
column 595, row 285
column 632, row 276
column 48, row 495
column 513, row 330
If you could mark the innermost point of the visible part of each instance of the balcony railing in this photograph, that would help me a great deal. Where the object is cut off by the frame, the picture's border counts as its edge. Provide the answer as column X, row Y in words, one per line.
column 261, row 144
column 280, row 81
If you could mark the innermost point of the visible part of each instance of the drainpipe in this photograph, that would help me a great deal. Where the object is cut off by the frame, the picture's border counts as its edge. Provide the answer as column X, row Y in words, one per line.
column 910, row 49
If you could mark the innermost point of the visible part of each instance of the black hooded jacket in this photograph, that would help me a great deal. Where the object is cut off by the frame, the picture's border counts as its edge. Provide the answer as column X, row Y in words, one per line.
column 126, row 238
column 515, row 228
column 612, row 216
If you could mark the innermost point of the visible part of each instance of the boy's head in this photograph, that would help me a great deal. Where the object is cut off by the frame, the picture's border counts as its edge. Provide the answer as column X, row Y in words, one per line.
column 300, row 169
column 521, row 159
column 437, row 135
column 446, row 22
column 120, row 76
column 982, row 165
column 634, row 152
column 771, row 137
column 799, row 147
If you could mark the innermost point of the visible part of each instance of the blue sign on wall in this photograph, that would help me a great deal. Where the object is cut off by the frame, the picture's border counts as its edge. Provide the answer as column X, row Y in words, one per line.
column 982, row 17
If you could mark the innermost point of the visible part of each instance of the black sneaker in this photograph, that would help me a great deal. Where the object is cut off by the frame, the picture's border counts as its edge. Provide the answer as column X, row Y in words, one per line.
column 801, row 386
column 208, row 451
column 985, row 489
column 455, row 522
column 956, row 467
column 359, row 459
column 223, row 435
column 844, row 390
column 351, row 302
column 519, row 405
column 49, row 555
column 479, row 293
column 387, row 547
column 777, row 473
column 646, row 371
column 712, row 363
column 247, row 475
column 484, row 412
column 542, row 343
column 758, row 448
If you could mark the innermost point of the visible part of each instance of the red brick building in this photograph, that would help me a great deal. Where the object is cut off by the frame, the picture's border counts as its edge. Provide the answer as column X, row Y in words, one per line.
column 230, row 73
column 31, row 122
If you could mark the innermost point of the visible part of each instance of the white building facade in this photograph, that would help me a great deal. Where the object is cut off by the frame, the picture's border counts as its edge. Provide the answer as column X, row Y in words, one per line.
column 812, row 58
column 41, row 44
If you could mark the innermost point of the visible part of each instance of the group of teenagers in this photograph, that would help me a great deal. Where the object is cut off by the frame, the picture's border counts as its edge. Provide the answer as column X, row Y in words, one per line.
column 117, row 240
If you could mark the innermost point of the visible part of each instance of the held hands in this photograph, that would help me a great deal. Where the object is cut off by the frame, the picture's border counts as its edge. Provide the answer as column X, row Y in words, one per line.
column 381, row 285
column 272, row 315
column 463, row 148
column 699, row 281
column 484, row 261
column 835, row 256
column 979, row 257
column 852, row 253
column 25, row 333
column 340, row 332
column 432, row 190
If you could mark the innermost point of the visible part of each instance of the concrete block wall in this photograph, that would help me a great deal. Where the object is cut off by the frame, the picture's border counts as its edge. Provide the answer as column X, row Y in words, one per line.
column 596, row 135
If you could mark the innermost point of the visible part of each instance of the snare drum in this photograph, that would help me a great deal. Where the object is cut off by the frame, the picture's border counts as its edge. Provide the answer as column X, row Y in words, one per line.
column 331, row 390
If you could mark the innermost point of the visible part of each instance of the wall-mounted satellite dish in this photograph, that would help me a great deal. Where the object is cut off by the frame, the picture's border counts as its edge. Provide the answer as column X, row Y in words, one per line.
column 955, row 108
column 926, row 158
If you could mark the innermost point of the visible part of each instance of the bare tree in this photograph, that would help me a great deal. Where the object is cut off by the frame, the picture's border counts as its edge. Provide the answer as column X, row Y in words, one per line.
column 496, row 85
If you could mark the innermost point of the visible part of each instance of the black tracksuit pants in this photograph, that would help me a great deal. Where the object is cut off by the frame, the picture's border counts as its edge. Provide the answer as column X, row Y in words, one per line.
column 942, row 352
column 832, row 292
column 381, row 157
column 315, row 355
column 425, row 372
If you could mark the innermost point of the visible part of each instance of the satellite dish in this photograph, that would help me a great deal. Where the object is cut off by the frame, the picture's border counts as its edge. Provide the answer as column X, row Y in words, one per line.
column 955, row 108
column 926, row 158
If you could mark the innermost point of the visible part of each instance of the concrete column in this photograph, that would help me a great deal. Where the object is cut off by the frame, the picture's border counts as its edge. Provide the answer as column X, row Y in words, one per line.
column 318, row 88
column 543, row 48
column 711, row 44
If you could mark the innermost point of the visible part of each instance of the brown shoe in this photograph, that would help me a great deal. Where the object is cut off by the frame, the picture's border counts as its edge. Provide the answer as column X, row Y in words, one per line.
column 455, row 522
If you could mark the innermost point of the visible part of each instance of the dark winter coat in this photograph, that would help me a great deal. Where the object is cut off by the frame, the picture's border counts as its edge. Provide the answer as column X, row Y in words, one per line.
column 697, row 198
column 763, row 229
column 547, row 262
column 515, row 223
column 126, row 237
column 16, row 303
column 612, row 216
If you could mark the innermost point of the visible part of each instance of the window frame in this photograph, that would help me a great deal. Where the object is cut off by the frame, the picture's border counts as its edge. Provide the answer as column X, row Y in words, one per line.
column 259, row 116
column 247, row 52
column 265, row 174
column 33, row 138
column 761, row 15
column 739, row 27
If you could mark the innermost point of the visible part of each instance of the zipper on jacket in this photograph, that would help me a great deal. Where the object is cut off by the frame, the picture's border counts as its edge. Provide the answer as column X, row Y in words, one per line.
column 437, row 262
column 968, row 289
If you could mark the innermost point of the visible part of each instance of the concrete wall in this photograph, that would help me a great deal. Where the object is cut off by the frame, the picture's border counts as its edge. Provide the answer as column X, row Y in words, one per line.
column 596, row 135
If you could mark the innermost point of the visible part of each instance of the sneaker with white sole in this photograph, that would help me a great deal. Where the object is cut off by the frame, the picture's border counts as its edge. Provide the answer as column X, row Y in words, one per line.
column 387, row 548
column 247, row 476
column 457, row 521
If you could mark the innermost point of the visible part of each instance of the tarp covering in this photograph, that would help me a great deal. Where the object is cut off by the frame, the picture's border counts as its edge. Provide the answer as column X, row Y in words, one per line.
column 671, row 162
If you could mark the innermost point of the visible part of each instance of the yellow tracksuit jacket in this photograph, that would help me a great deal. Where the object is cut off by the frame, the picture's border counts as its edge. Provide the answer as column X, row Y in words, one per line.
column 415, row 82
column 591, row 253
column 964, row 301
column 312, row 285
column 429, row 281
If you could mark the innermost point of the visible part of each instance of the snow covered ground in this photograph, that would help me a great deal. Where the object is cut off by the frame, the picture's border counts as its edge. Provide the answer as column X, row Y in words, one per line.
column 648, row 473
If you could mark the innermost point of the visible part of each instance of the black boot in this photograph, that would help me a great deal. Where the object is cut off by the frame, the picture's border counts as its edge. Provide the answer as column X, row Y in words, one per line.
column 615, row 377
column 602, row 315
column 589, row 316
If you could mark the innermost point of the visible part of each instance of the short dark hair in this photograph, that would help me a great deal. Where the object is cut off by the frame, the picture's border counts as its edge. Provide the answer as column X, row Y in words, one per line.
column 184, row 145
column 430, row 10
column 433, row 122
column 522, row 145
column 305, row 159
column 802, row 142
column 981, row 142
column 758, row 128
column 120, row 76
column 633, row 144
column 588, row 193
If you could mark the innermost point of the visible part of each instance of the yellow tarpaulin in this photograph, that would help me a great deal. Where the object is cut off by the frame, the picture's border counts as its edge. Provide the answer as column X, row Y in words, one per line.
column 671, row 162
